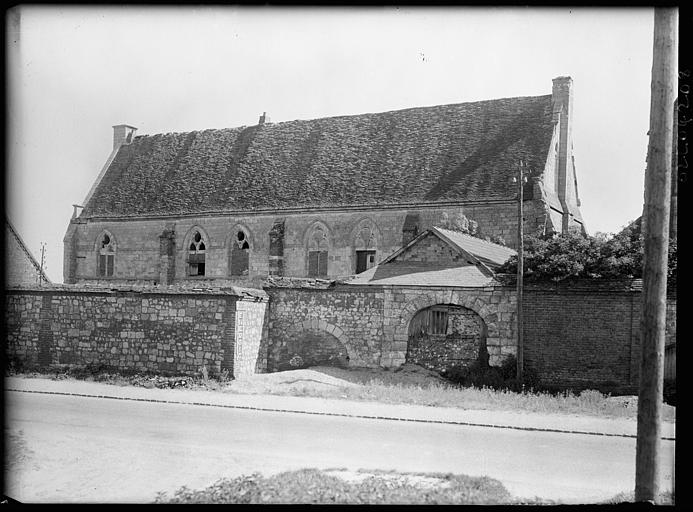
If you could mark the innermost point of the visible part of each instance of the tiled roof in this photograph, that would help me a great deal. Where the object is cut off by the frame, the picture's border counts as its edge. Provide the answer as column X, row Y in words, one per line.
column 449, row 152
column 412, row 274
column 492, row 255
column 394, row 271
column 30, row 257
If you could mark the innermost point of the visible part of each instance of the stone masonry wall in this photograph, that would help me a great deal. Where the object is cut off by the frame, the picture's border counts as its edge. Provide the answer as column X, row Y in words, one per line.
column 372, row 321
column 139, row 258
column 574, row 335
column 353, row 317
column 495, row 305
column 167, row 332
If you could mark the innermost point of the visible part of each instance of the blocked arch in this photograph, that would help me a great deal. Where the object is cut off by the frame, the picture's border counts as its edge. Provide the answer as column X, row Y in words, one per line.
column 305, row 331
column 365, row 222
column 306, row 243
column 309, row 231
column 321, row 325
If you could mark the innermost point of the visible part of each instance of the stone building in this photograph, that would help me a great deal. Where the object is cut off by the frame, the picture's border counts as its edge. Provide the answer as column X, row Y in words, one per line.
column 21, row 268
column 320, row 198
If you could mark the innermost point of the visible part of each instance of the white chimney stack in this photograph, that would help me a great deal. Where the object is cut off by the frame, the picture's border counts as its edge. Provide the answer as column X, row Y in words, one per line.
column 123, row 134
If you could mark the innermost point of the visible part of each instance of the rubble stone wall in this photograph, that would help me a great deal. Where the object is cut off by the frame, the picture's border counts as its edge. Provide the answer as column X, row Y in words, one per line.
column 168, row 333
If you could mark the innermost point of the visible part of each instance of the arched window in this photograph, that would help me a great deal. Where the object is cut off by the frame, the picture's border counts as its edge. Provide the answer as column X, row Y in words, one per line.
column 365, row 245
column 317, row 252
column 107, row 252
column 240, row 252
column 196, row 255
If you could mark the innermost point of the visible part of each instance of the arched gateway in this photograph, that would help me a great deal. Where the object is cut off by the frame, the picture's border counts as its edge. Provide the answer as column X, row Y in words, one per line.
column 444, row 336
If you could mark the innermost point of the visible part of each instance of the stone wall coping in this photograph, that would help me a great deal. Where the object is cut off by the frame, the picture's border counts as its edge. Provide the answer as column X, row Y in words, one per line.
column 237, row 291
column 299, row 282
column 596, row 285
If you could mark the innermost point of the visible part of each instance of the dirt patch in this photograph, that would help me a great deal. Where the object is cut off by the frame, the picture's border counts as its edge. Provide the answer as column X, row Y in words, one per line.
column 400, row 479
column 405, row 375
column 327, row 377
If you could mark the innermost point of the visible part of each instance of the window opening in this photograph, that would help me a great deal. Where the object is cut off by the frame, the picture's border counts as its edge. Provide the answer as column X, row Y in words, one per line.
column 317, row 253
column 365, row 246
column 196, row 256
column 364, row 260
column 240, row 253
column 106, row 256
column 437, row 321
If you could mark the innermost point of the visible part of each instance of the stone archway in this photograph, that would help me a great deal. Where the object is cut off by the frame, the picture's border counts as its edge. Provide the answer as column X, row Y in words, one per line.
column 445, row 336
column 496, row 332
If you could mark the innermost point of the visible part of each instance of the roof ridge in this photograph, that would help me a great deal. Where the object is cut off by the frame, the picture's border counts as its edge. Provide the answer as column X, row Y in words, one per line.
column 488, row 242
column 344, row 116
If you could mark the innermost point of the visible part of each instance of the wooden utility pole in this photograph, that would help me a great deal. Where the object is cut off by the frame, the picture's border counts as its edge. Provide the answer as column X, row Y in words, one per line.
column 43, row 261
column 655, row 228
column 520, row 268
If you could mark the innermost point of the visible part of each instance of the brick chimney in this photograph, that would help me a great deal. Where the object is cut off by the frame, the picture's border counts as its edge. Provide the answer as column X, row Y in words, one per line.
column 563, row 111
column 264, row 118
column 123, row 134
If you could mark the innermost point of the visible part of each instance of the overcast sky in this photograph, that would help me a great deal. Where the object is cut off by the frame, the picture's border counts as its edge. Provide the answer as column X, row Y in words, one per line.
column 74, row 72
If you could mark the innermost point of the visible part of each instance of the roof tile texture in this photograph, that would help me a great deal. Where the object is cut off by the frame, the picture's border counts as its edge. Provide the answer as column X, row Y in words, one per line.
column 449, row 152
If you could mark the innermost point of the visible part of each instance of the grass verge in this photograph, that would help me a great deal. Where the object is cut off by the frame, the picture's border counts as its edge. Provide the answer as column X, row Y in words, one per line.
column 413, row 388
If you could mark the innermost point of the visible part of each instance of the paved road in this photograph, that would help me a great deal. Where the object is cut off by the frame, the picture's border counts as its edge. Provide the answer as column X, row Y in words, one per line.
column 99, row 450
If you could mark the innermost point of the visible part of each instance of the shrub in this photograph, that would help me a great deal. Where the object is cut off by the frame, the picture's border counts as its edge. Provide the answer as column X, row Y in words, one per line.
column 480, row 374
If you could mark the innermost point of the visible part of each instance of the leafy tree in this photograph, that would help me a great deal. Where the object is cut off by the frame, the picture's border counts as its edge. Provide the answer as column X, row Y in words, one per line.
column 573, row 255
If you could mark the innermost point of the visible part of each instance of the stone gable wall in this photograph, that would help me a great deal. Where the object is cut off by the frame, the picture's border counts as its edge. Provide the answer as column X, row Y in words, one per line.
column 432, row 250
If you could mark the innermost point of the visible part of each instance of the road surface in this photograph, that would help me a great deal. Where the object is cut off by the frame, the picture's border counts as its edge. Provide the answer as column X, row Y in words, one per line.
column 80, row 449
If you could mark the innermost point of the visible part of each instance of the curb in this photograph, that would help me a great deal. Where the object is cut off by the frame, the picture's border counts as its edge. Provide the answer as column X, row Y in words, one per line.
column 345, row 415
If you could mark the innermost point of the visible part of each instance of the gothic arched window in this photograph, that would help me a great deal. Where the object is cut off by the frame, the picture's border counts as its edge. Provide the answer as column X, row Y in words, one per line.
column 196, row 255
column 240, row 254
column 317, row 252
column 107, row 252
